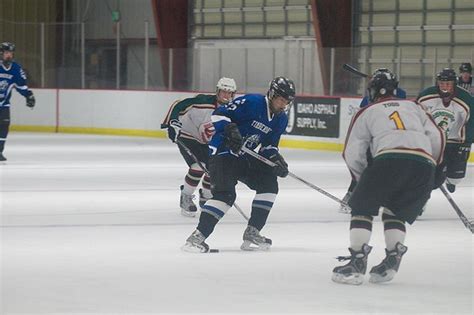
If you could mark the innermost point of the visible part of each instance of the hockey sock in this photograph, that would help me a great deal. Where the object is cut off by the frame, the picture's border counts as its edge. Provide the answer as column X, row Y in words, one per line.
column 211, row 213
column 192, row 179
column 394, row 229
column 261, row 206
column 206, row 187
column 360, row 231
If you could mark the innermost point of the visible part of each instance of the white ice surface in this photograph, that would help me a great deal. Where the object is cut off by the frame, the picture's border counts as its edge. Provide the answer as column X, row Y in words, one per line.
column 90, row 224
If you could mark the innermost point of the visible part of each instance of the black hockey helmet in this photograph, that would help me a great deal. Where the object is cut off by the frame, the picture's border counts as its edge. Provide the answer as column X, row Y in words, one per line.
column 281, row 86
column 379, row 70
column 7, row 46
column 465, row 67
column 446, row 75
column 382, row 84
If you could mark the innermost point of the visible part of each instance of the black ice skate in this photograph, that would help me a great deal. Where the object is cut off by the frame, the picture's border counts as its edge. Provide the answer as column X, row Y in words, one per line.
column 2, row 157
column 354, row 271
column 386, row 270
column 195, row 243
column 188, row 208
column 252, row 237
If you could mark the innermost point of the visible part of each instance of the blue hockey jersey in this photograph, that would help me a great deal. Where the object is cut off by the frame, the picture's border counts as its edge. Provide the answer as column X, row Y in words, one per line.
column 256, row 123
column 12, row 77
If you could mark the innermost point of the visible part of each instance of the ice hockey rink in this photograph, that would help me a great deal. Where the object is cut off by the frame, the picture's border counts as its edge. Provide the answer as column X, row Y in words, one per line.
column 91, row 224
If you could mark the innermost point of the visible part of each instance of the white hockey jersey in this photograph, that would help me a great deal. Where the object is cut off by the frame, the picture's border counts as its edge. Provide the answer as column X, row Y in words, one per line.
column 195, row 115
column 453, row 119
column 400, row 128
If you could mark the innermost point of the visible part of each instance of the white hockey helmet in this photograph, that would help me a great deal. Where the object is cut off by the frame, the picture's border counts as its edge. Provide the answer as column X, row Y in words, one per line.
column 226, row 84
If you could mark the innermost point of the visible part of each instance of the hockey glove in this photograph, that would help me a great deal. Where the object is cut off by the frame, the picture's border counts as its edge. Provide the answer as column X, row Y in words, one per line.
column 30, row 101
column 232, row 138
column 174, row 128
column 281, row 168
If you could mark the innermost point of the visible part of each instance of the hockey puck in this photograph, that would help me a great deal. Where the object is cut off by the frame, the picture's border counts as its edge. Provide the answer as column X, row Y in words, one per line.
column 213, row 250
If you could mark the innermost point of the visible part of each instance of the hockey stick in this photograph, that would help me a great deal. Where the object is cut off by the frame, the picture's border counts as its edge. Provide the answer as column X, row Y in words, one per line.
column 354, row 70
column 203, row 167
column 270, row 163
column 461, row 215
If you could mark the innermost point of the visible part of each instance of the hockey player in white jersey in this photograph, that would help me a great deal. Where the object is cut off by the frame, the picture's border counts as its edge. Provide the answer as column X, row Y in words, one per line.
column 189, row 120
column 451, row 108
column 407, row 146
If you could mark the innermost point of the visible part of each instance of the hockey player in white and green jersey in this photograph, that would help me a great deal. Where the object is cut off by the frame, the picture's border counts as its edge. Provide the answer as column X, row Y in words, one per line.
column 407, row 148
column 189, row 120
column 451, row 108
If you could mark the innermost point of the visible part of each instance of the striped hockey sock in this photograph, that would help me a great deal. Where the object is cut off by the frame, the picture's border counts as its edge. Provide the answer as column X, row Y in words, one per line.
column 211, row 213
column 261, row 206
column 360, row 231
column 394, row 229
column 206, row 187
column 192, row 179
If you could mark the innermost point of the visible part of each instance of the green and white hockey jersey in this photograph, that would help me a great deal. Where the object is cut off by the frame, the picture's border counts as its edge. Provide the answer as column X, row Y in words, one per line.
column 195, row 115
column 455, row 118
column 392, row 128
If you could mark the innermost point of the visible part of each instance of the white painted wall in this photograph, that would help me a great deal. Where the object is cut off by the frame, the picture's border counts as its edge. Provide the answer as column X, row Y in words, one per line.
column 254, row 62
column 44, row 114
column 138, row 110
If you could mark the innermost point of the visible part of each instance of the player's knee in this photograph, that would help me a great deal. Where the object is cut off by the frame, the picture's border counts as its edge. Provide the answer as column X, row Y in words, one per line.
column 227, row 197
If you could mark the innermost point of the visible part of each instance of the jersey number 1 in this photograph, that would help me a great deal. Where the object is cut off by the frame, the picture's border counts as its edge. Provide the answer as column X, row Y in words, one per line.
column 395, row 116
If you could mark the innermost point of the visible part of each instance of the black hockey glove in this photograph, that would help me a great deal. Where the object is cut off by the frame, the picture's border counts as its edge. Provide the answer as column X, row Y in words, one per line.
column 174, row 128
column 440, row 176
column 281, row 168
column 232, row 138
column 30, row 101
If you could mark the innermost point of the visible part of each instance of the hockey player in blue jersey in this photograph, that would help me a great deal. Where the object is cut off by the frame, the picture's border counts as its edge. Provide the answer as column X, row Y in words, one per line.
column 250, row 120
column 11, row 76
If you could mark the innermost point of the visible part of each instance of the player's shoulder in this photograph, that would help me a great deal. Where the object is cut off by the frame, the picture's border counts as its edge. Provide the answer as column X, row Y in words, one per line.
column 198, row 100
column 253, row 98
column 428, row 93
column 464, row 96
column 205, row 99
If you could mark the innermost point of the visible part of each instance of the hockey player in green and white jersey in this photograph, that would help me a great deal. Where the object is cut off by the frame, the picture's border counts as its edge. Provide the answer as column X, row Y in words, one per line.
column 407, row 148
column 451, row 108
column 189, row 120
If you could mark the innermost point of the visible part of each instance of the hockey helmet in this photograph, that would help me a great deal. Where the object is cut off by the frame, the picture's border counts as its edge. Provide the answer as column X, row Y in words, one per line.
column 465, row 67
column 226, row 84
column 446, row 75
column 281, row 86
column 7, row 46
column 382, row 84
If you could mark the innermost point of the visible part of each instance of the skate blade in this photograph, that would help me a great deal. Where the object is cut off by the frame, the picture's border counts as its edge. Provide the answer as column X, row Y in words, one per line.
column 376, row 278
column 189, row 214
column 345, row 210
column 355, row 279
column 249, row 246
column 188, row 248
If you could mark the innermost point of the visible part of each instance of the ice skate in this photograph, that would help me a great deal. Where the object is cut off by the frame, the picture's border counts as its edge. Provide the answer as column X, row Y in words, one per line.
column 2, row 157
column 195, row 243
column 386, row 270
column 344, row 208
column 188, row 208
column 354, row 271
column 254, row 241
